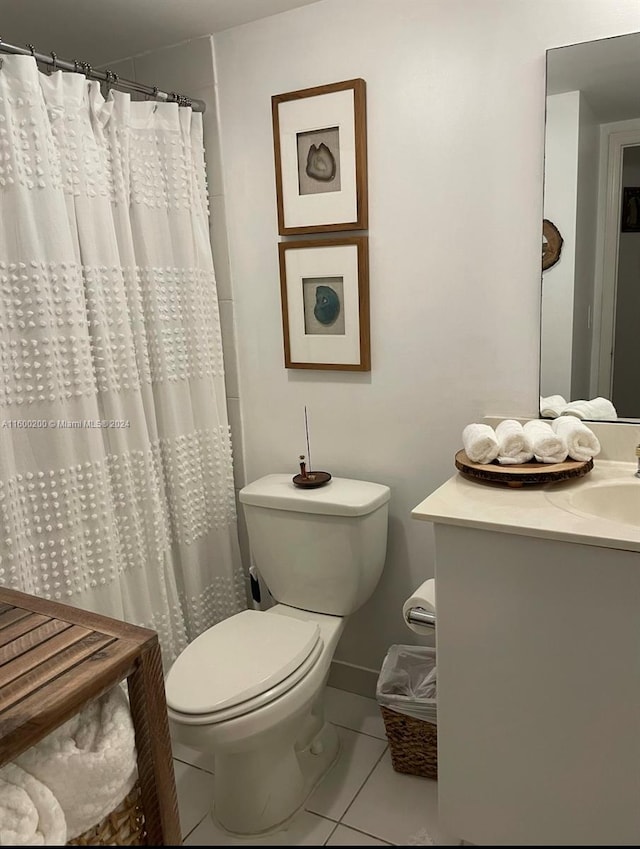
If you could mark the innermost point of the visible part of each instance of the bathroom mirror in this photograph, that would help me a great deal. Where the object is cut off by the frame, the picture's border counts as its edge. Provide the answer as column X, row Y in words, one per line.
column 591, row 295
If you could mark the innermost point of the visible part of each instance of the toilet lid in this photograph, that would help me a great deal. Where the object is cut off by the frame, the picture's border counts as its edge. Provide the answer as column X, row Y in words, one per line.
column 238, row 659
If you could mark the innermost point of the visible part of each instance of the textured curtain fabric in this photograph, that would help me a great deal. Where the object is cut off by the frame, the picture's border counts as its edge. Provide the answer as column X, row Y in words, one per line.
column 116, row 484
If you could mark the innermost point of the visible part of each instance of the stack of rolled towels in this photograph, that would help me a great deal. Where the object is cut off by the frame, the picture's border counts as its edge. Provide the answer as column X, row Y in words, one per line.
column 512, row 443
column 553, row 406
column 70, row 780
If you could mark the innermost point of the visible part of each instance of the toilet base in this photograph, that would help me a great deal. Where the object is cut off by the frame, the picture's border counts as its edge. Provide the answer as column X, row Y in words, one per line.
column 259, row 792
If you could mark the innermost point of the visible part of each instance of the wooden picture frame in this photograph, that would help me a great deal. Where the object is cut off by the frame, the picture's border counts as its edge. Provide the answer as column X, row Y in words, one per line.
column 324, row 286
column 320, row 149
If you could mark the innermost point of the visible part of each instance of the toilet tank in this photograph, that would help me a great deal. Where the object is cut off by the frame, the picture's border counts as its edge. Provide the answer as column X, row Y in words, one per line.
column 318, row 549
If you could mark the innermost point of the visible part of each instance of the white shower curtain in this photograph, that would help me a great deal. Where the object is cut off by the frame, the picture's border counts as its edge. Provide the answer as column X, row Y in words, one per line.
column 116, row 484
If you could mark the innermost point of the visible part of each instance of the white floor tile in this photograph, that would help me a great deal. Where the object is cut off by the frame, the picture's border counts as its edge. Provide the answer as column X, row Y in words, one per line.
column 355, row 712
column 344, row 836
column 401, row 809
column 195, row 794
column 305, row 829
column 203, row 760
column 338, row 788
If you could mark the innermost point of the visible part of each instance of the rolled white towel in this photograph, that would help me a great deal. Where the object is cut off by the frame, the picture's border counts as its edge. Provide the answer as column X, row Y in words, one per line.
column 480, row 443
column 597, row 409
column 582, row 443
column 551, row 407
column 514, row 446
column 548, row 447
column 30, row 815
column 89, row 763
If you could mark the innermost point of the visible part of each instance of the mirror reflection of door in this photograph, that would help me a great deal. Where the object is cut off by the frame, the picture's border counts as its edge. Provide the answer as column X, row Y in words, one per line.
column 625, row 382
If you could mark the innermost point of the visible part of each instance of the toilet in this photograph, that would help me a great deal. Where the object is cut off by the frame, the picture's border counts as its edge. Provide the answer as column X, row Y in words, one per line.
column 250, row 689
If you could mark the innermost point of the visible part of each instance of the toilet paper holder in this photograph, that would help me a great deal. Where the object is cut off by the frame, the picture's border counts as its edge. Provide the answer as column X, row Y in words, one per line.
column 420, row 616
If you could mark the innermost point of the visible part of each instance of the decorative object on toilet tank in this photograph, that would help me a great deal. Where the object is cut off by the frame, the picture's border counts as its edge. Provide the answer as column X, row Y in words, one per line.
column 320, row 146
column 309, row 479
column 324, row 287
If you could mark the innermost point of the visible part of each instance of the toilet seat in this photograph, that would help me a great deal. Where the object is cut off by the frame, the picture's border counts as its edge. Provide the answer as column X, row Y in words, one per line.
column 250, row 705
column 240, row 664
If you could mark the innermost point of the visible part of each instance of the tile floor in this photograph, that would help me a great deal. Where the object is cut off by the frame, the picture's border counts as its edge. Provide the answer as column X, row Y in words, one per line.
column 360, row 802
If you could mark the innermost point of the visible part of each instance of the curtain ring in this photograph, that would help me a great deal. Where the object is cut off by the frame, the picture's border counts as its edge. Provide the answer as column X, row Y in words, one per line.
column 32, row 49
column 108, row 75
column 54, row 57
column 87, row 68
column 76, row 66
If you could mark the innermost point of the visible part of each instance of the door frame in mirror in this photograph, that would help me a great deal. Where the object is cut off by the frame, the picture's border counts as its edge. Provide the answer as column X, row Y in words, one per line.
column 607, row 254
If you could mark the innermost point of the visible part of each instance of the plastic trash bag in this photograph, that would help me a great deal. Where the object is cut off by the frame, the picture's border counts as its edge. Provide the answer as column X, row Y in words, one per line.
column 407, row 682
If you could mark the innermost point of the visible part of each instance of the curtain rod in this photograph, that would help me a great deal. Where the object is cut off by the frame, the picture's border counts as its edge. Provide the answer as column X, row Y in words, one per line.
column 107, row 76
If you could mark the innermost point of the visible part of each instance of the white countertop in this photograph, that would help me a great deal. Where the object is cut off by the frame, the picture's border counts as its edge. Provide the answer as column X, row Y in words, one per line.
column 534, row 510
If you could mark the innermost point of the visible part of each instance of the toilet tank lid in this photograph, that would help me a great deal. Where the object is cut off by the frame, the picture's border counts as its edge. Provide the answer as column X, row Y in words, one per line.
column 339, row 497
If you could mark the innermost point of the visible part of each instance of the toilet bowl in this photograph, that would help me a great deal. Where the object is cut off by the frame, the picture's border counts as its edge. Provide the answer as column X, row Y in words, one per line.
column 271, row 748
column 250, row 689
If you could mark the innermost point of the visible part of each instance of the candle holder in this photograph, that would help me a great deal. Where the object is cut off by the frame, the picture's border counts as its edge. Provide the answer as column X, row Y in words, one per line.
column 310, row 480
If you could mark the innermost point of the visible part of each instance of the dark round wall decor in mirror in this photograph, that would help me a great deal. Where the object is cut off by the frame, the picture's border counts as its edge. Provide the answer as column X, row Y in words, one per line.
column 551, row 244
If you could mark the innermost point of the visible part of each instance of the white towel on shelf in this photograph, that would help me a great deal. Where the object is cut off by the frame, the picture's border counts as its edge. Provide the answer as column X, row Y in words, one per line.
column 30, row 815
column 596, row 408
column 582, row 443
column 480, row 443
column 551, row 407
column 89, row 763
column 548, row 446
column 514, row 446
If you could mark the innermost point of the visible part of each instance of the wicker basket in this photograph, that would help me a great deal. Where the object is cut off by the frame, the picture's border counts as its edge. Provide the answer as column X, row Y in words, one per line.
column 124, row 826
column 413, row 743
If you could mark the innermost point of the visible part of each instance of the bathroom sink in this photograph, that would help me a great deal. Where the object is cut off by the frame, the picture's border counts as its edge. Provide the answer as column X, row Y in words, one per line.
column 618, row 501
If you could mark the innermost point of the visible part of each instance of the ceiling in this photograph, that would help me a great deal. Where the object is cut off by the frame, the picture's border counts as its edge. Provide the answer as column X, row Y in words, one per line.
column 606, row 71
column 102, row 31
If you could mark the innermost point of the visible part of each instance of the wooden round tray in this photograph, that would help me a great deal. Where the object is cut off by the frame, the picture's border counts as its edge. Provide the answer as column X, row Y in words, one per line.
column 524, row 473
column 312, row 480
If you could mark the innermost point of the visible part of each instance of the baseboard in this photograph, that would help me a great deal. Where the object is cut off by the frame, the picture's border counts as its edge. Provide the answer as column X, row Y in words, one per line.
column 353, row 679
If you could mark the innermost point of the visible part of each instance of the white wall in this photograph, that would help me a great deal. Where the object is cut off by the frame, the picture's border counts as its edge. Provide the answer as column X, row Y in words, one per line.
column 586, row 234
column 562, row 140
column 571, row 202
column 455, row 98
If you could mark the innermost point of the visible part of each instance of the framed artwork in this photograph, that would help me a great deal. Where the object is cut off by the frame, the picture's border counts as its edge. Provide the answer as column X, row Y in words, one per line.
column 324, row 285
column 320, row 147
column 630, row 219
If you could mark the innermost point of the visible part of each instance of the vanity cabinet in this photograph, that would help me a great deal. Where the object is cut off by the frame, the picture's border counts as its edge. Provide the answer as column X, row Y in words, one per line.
column 538, row 645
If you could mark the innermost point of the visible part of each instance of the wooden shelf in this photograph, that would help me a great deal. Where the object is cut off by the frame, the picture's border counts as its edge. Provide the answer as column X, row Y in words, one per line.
column 54, row 659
